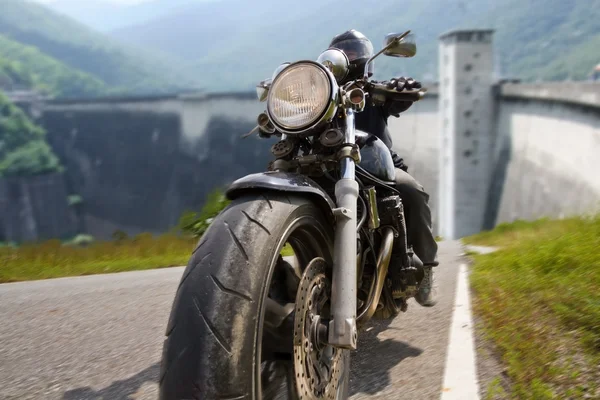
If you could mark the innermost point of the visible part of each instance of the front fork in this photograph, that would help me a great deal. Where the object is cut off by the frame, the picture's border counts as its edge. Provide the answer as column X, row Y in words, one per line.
column 342, row 327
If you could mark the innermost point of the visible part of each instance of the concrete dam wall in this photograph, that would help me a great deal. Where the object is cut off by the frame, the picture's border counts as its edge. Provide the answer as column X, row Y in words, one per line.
column 548, row 151
column 544, row 151
column 509, row 150
column 486, row 151
column 139, row 163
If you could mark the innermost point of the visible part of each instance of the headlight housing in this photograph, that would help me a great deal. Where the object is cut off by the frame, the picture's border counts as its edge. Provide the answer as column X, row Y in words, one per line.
column 336, row 61
column 301, row 96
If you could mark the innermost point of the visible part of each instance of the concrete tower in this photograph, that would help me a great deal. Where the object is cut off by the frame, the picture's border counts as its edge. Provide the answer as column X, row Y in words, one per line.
column 467, row 126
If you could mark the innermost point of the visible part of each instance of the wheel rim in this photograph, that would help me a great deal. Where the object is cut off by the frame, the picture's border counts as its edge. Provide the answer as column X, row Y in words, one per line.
column 309, row 240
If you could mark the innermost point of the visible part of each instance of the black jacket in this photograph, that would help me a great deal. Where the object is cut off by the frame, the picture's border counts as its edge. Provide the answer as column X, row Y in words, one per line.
column 373, row 119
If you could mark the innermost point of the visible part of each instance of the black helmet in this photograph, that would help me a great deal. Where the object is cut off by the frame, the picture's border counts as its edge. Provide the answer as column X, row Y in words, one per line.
column 358, row 48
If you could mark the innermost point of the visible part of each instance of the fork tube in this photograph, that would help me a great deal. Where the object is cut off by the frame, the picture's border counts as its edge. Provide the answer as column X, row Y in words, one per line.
column 342, row 328
column 348, row 170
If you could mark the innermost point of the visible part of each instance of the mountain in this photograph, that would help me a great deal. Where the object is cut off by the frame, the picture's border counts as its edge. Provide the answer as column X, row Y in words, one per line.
column 230, row 49
column 234, row 50
column 23, row 65
column 73, row 60
column 546, row 39
column 105, row 16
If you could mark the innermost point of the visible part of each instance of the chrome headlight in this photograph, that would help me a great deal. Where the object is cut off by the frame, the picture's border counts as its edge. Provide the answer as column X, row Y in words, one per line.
column 280, row 68
column 302, row 95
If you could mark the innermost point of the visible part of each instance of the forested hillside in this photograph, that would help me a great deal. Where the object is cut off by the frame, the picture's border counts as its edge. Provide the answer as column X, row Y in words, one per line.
column 105, row 16
column 224, row 45
column 28, row 65
column 69, row 59
column 231, row 46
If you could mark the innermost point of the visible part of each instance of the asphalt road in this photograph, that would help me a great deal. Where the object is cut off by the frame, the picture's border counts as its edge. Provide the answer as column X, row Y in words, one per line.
column 100, row 337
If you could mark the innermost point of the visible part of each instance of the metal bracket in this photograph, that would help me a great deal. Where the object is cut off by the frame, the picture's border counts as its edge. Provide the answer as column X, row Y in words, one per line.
column 349, row 150
column 342, row 212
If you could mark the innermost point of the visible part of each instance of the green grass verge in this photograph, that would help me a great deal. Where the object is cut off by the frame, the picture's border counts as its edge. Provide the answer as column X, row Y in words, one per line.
column 539, row 298
column 287, row 250
column 53, row 259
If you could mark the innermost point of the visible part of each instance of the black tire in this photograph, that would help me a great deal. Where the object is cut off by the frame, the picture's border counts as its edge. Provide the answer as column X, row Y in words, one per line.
column 215, row 331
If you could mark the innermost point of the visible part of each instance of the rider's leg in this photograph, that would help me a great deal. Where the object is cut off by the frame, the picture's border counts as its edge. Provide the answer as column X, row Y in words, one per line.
column 418, row 217
column 420, row 232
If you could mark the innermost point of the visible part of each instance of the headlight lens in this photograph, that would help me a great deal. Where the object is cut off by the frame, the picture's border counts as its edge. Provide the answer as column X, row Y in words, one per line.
column 299, row 96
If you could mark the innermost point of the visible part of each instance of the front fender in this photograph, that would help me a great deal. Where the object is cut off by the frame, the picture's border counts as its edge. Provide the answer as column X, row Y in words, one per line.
column 281, row 182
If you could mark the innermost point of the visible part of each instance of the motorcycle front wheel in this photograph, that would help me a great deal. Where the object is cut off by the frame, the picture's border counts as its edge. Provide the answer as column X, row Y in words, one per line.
column 236, row 330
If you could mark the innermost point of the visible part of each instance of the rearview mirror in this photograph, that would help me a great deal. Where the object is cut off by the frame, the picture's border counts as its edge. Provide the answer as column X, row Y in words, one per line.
column 400, row 45
column 396, row 45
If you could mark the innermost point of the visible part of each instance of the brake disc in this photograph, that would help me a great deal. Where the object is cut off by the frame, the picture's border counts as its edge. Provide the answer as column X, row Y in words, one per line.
column 317, row 366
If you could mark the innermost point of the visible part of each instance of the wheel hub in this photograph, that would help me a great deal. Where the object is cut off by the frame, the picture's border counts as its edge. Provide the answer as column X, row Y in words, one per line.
column 317, row 366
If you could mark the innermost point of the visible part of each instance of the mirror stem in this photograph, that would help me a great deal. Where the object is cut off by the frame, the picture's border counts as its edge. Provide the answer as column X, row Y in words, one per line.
column 392, row 43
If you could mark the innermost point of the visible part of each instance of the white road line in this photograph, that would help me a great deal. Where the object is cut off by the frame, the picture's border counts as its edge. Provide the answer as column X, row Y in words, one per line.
column 460, row 378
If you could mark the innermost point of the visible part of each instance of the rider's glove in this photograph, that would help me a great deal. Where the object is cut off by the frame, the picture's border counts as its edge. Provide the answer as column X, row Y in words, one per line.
column 398, row 162
column 402, row 83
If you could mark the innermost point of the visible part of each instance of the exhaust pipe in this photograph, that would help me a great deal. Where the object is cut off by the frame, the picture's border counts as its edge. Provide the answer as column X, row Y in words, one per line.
column 383, row 262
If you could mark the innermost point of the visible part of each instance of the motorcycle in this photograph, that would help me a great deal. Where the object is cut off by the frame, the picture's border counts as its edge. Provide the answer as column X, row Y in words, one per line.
column 250, row 323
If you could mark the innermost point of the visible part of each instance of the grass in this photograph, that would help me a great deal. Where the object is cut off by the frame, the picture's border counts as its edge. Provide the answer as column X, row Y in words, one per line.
column 53, row 259
column 539, row 298
column 287, row 250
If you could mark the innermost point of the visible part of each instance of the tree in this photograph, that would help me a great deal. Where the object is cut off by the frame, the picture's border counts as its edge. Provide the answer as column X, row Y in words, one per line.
column 196, row 224
column 23, row 147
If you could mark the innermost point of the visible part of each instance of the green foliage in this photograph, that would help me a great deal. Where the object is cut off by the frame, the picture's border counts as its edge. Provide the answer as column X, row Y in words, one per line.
column 53, row 259
column 74, row 200
column 545, row 39
column 23, row 148
column 81, row 240
column 16, row 129
column 48, row 74
column 13, row 74
column 119, row 236
column 196, row 224
column 34, row 158
column 287, row 250
column 539, row 298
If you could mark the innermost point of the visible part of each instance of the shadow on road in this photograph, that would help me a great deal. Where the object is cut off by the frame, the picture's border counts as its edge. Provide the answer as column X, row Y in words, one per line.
column 371, row 364
column 118, row 390
column 370, row 371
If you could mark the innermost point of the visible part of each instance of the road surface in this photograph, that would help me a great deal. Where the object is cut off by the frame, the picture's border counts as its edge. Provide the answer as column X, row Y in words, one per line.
column 100, row 337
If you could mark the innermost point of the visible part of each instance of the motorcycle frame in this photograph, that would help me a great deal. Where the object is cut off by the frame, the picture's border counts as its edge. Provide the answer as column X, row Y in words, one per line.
column 343, row 324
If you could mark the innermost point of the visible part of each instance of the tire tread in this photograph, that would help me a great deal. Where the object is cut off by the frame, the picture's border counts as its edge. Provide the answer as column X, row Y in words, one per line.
column 232, row 292
column 220, row 339
column 219, row 294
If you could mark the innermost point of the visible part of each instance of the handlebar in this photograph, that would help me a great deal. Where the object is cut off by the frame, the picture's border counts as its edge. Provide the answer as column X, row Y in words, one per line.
column 377, row 90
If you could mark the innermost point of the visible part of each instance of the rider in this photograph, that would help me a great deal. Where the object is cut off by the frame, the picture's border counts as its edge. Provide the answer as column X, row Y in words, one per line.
column 358, row 48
